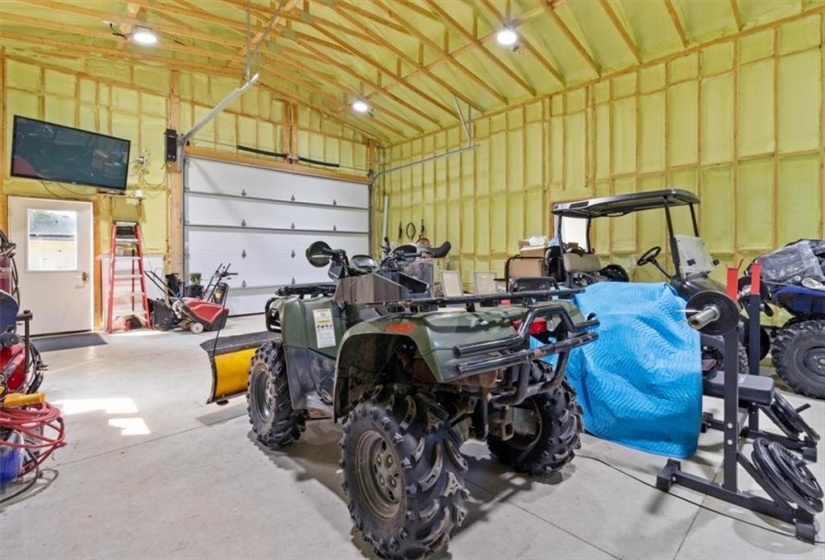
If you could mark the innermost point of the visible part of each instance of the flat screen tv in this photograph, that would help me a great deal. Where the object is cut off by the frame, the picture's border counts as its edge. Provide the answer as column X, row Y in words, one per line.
column 50, row 152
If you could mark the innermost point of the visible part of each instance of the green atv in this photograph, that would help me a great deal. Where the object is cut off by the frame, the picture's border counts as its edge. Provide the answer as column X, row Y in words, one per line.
column 413, row 377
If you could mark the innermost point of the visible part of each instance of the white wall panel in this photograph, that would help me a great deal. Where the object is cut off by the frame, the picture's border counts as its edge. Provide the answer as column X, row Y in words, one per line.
column 269, row 250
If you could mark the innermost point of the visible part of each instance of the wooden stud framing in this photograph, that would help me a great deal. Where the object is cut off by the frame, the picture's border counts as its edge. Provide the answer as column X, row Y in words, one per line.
column 628, row 40
column 175, row 185
column 4, row 199
column 410, row 60
column 822, row 132
column 343, row 45
column 526, row 43
column 446, row 55
column 585, row 54
column 776, row 56
column 478, row 43
column 736, row 159
column 737, row 17
column 677, row 24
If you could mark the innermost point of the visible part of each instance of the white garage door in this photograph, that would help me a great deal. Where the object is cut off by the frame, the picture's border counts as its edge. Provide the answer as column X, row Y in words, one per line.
column 262, row 220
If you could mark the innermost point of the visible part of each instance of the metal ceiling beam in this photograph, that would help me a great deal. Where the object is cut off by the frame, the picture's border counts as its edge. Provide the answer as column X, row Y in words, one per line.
column 525, row 42
column 585, row 54
column 628, row 40
column 677, row 23
column 480, row 45
column 446, row 55
column 410, row 60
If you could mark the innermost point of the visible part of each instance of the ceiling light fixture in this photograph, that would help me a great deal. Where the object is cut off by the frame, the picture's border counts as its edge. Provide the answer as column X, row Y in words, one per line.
column 144, row 36
column 507, row 37
column 360, row 106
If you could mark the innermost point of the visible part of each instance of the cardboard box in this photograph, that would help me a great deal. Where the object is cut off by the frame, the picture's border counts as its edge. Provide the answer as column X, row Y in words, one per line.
column 527, row 268
column 527, row 251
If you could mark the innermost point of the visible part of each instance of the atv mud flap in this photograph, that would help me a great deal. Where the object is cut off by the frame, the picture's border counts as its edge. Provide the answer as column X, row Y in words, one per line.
column 229, row 357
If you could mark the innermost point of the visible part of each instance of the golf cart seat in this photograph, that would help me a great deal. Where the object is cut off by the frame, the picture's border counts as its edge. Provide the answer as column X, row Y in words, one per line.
column 587, row 262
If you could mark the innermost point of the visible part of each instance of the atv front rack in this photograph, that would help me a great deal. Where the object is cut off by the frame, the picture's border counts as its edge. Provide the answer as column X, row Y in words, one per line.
column 518, row 343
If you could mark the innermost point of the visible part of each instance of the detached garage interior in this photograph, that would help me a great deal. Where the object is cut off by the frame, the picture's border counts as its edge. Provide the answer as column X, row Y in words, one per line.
column 531, row 278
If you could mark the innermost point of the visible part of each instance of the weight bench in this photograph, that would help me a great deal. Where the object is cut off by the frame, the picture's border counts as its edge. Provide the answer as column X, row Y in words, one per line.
column 757, row 393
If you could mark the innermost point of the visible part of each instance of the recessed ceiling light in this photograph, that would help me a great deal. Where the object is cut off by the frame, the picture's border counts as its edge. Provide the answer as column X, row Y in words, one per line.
column 360, row 106
column 507, row 37
column 144, row 36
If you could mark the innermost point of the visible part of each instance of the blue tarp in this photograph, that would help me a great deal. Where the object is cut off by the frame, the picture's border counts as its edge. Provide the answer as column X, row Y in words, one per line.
column 640, row 384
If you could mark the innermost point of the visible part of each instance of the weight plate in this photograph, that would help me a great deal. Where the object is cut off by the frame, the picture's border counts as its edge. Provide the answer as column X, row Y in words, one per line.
column 729, row 311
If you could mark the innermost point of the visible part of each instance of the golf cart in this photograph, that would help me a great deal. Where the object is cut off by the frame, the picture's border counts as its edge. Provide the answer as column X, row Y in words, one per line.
column 579, row 265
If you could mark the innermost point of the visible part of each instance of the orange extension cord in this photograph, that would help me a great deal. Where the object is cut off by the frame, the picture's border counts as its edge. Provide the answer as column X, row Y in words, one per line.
column 32, row 422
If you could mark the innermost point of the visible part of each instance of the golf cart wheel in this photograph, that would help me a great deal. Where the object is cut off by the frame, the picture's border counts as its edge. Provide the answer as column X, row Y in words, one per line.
column 403, row 473
column 799, row 357
column 547, row 428
column 269, row 405
column 196, row 328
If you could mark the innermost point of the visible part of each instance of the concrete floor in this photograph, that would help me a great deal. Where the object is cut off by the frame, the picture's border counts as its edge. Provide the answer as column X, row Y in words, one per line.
column 150, row 471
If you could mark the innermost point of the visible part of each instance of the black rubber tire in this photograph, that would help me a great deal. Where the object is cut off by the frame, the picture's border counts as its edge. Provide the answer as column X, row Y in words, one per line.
column 743, row 364
column 412, row 429
column 797, row 353
column 559, row 416
column 273, row 419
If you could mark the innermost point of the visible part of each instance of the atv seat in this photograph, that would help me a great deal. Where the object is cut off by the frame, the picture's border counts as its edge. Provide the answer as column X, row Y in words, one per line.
column 752, row 388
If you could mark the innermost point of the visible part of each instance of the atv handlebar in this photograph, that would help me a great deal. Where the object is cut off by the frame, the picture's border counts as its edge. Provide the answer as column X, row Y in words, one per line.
column 439, row 252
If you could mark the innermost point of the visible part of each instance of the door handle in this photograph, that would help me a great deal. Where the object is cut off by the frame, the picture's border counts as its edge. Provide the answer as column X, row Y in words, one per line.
column 84, row 276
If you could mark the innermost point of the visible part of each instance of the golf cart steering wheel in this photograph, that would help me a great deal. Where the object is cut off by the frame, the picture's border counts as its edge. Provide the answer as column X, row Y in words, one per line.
column 649, row 256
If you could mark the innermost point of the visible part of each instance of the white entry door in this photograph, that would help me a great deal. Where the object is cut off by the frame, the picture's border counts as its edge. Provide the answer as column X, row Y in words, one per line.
column 54, row 262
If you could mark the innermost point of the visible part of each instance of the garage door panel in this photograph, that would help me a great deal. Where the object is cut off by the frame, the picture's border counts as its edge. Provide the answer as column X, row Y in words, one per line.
column 223, row 211
column 269, row 250
column 214, row 177
column 268, row 259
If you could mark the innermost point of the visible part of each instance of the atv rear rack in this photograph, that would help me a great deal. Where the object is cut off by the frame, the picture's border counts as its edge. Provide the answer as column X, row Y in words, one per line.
column 519, row 342
column 471, row 300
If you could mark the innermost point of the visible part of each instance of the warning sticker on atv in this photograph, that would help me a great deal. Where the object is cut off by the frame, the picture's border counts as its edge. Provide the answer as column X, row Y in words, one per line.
column 324, row 328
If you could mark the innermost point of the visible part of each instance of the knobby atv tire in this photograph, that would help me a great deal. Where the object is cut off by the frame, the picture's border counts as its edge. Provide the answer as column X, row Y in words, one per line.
column 269, row 405
column 403, row 435
column 799, row 357
column 559, row 419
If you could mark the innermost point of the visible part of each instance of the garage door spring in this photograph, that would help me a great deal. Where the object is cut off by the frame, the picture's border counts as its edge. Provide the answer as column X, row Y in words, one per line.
column 787, row 475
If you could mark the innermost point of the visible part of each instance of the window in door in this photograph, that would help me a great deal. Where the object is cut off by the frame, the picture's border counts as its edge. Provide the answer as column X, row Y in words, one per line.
column 52, row 240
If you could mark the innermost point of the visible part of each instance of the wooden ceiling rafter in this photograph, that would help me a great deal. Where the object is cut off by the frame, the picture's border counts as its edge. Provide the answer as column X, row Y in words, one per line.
column 737, row 15
column 132, row 10
column 270, row 26
column 413, row 62
column 389, row 72
column 282, row 59
column 446, row 56
column 164, row 30
column 318, row 55
column 571, row 38
column 108, row 36
column 355, row 8
column 677, row 23
column 526, row 43
column 471, row 38
column 620, row 28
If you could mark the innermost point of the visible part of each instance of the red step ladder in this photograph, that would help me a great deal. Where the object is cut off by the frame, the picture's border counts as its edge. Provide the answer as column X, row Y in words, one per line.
column 129, row 284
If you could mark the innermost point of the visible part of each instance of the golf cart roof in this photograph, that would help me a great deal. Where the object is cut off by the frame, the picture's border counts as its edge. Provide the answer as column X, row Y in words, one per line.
column 613, row 206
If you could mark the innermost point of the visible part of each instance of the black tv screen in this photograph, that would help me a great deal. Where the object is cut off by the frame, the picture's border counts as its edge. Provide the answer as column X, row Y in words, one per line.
column 50, row 152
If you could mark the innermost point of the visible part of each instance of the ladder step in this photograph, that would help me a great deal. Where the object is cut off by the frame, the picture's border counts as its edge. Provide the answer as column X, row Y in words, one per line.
column 127, row 234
